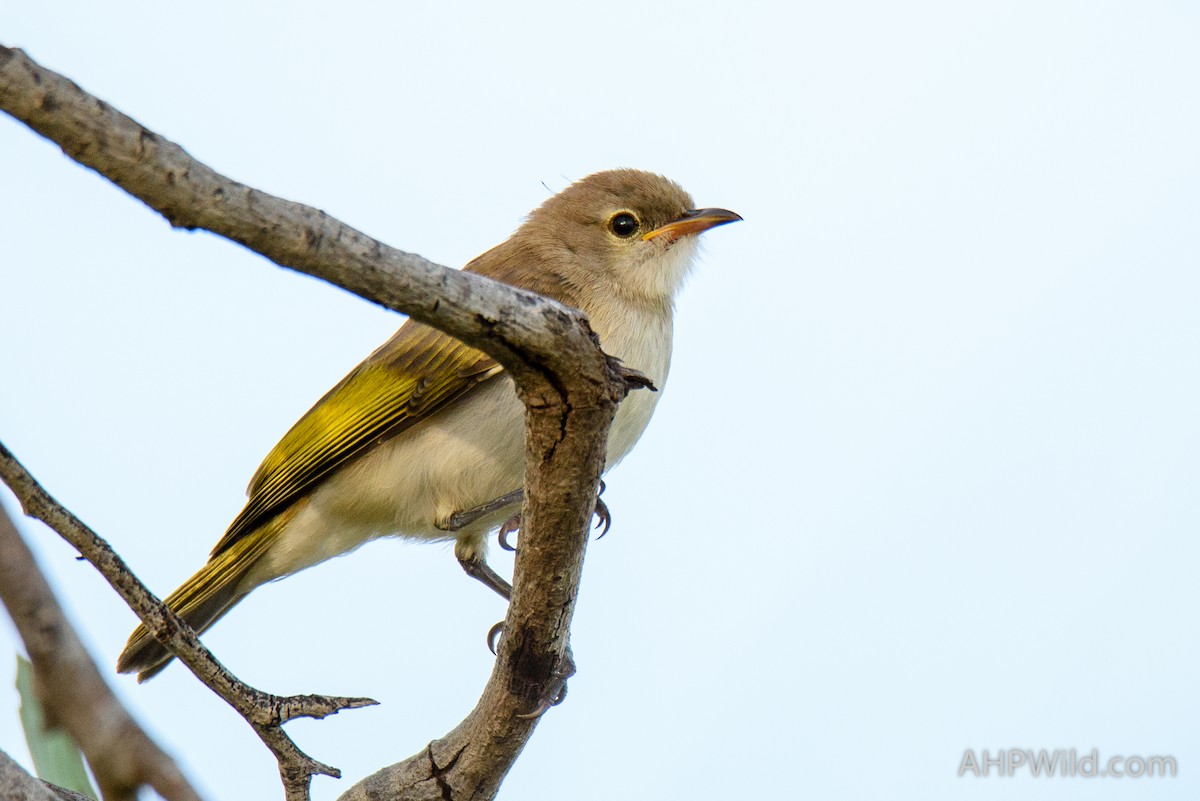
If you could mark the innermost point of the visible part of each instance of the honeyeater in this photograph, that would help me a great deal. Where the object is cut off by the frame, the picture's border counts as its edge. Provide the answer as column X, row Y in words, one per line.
column 425, row 438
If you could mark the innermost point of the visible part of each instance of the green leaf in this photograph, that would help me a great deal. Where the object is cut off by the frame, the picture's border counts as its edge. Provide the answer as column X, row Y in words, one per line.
column 55, row 756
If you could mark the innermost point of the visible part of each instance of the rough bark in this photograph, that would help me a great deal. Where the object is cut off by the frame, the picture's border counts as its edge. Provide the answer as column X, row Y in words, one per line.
column 17, row 785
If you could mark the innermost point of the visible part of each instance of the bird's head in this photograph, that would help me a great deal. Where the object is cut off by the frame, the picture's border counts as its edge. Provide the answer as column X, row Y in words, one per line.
column 626, row 231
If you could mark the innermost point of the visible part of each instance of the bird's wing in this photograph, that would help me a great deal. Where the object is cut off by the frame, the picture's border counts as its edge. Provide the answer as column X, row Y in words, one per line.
column 411, row 377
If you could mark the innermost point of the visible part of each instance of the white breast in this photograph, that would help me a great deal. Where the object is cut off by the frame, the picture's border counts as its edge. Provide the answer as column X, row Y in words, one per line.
column 635, row 326
column 644, row 345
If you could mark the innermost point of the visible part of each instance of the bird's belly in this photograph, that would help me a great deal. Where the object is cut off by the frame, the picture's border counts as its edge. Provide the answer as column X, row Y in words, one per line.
column 465, row 456
column 468, row 455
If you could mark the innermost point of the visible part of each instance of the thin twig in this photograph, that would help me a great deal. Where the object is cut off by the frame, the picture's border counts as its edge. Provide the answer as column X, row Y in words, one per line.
column 266, row 713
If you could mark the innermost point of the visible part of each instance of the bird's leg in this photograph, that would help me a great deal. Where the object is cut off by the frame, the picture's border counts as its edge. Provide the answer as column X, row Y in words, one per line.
column 460, row 520
column 469, row 553
column 470, row 556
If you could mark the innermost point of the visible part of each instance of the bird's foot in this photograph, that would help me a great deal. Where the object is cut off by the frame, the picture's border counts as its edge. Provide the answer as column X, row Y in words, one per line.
column 556, row 688
column 513, row 524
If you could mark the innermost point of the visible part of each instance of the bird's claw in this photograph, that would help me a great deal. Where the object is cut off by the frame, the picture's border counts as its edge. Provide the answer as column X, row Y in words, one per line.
column 493, row 636
column 560, row 695
column 510, row 526
column 603, row 518
column 543, row 707
column 558, row 687
column 513, row 524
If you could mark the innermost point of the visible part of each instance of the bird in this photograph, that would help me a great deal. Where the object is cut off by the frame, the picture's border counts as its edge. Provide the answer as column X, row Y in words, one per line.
column 425, row 438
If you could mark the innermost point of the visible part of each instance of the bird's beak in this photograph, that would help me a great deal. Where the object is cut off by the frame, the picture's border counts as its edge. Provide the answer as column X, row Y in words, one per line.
column 694, row 221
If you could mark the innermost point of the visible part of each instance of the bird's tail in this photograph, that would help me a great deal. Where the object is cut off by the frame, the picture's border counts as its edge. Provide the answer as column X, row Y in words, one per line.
column 201, row 601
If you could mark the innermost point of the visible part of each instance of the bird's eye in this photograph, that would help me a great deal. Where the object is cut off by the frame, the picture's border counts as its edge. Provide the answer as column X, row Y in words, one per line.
column 623, row 224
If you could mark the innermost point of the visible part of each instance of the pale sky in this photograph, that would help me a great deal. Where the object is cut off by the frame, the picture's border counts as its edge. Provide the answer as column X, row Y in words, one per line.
column 924, row 477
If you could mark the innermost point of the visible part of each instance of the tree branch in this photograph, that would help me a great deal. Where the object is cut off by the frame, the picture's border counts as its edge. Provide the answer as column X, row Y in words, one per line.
column 570, row 389
column 17, row 785
column 524, row 331
column 122, row 756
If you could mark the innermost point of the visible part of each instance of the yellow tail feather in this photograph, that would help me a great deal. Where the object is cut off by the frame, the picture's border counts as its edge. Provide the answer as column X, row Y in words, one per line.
column 204, row 598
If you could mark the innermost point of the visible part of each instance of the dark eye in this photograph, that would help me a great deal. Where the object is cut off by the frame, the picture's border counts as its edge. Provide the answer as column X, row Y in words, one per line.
column 623, row 225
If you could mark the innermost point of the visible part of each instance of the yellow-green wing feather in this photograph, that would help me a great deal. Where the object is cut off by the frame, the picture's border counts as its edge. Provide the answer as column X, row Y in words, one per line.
column 412, row 376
